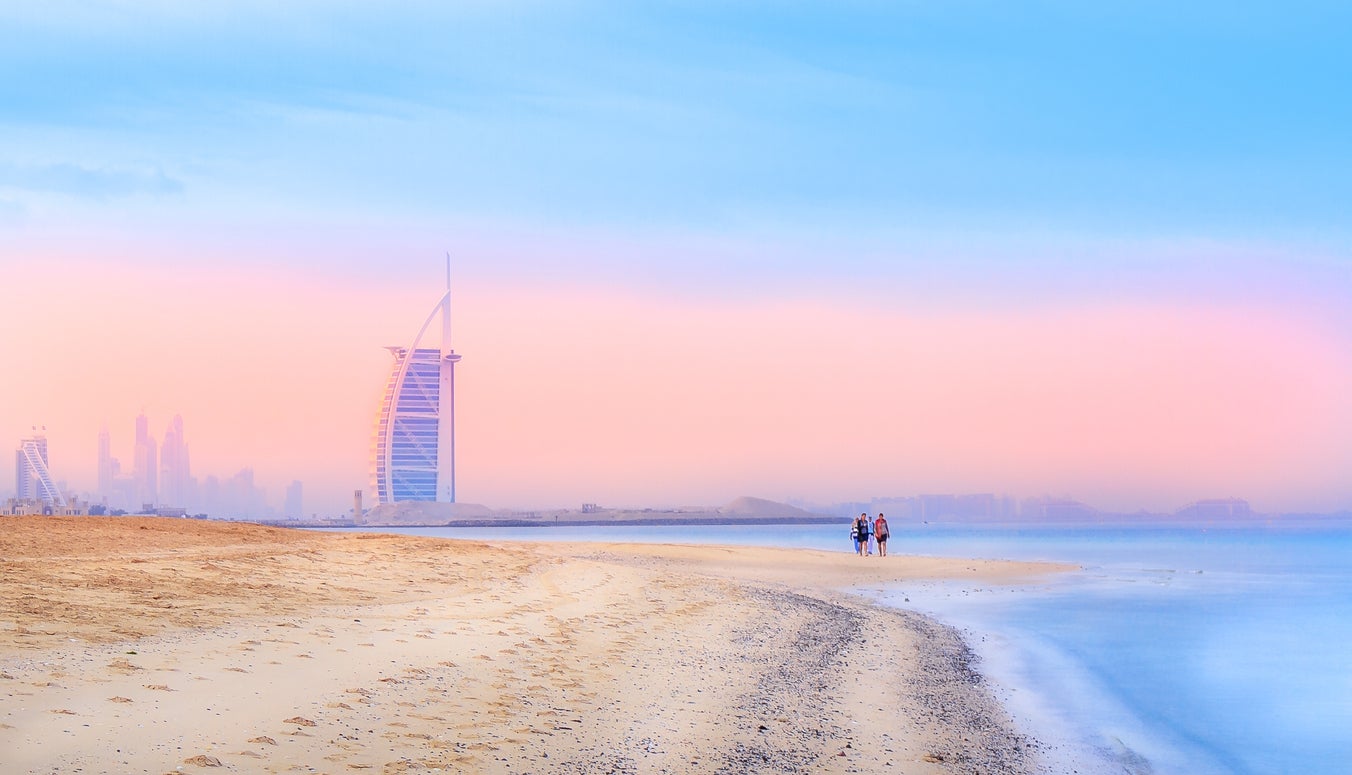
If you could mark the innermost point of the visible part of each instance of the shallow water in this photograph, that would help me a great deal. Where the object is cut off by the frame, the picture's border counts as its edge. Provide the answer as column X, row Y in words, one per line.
column 1175, row 650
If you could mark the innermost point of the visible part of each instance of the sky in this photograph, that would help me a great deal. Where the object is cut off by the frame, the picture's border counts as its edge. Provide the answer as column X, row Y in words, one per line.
column 816, row 251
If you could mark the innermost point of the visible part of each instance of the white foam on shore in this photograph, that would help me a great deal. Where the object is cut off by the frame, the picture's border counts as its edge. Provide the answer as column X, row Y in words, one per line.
column 1054, row 698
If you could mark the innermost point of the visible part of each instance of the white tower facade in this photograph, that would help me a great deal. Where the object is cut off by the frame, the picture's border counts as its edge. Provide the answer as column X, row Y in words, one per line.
column 413, row 449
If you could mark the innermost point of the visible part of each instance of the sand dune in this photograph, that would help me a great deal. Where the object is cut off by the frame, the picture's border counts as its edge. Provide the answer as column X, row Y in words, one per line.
column 154, row 645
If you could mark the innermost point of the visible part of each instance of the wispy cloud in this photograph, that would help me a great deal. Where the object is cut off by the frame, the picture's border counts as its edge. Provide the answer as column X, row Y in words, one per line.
column 86, row 182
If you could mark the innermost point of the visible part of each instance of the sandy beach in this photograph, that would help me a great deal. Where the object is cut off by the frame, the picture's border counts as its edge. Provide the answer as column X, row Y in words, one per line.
column 141, row 645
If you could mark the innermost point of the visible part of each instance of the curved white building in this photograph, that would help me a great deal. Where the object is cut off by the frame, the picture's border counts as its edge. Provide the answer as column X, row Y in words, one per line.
column 413, row 451
column 32, row 476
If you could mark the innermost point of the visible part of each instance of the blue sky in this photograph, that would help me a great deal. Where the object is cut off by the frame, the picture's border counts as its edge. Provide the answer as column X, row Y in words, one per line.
column 1138, row 121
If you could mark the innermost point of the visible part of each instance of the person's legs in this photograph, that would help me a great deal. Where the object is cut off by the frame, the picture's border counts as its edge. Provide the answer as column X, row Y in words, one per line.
column 882, row 547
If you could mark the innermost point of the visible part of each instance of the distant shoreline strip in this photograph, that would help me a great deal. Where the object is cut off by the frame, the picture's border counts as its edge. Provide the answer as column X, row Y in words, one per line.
column 635, row 522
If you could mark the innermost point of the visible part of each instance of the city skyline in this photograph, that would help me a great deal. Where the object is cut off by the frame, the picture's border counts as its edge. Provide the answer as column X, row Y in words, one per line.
column 161, row 479
column 243, row 500
column 824, row 253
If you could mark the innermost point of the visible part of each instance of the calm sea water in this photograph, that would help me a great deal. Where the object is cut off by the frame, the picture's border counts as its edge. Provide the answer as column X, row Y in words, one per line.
column 1174, row 650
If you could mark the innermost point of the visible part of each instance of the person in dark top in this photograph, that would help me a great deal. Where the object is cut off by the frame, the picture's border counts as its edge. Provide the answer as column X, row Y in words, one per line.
column 862, row 526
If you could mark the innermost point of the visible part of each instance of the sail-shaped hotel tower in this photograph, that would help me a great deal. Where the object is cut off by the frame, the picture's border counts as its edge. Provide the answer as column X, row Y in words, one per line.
column 413, row 452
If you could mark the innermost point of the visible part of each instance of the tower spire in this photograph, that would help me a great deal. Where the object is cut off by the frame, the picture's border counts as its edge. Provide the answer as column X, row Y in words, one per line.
column 446, row 311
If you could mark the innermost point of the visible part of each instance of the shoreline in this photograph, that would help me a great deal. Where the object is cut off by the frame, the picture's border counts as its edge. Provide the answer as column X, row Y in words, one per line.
column 598, row 522
column 396, row 654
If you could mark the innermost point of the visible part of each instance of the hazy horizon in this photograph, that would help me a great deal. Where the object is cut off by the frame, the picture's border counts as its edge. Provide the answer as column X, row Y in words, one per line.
column 821, row 253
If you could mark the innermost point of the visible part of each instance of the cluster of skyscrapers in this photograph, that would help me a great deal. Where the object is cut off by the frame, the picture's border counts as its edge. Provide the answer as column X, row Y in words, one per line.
column 161, row 481
column 151, row 481
column 160, row 475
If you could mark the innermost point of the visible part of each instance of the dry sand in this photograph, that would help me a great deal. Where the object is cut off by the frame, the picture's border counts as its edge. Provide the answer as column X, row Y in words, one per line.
column 139, row 645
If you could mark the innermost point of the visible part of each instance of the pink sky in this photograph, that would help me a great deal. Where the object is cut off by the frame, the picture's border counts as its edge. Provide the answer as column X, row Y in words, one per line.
column 626, row 396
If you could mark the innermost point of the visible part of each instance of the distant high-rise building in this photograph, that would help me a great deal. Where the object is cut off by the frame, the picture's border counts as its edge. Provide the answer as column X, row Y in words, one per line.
column 292, row 507
column 144, row 471
column 32, row 476
column 175, row 473
column 116, row 489
column 413, row 452
column 235, row 498
column 107, row 465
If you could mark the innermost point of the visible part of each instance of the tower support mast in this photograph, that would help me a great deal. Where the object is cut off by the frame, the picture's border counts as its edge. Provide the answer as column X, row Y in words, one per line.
column 446, row 409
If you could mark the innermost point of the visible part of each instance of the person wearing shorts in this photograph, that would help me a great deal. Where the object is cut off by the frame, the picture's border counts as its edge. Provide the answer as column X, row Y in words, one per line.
column 881, row 532
column 862, row 526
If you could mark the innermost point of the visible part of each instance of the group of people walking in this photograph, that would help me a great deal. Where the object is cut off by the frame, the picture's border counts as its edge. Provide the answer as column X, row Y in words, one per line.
column 866, row 535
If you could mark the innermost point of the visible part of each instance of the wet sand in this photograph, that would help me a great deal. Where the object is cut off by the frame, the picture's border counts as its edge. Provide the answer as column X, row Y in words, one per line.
column 148, row 645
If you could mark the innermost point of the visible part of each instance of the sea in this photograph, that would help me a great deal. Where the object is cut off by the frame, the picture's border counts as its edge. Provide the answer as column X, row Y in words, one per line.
column 1175, row 649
